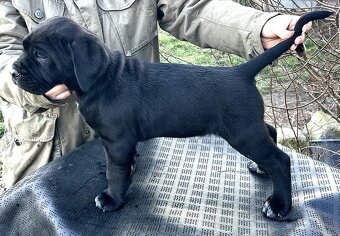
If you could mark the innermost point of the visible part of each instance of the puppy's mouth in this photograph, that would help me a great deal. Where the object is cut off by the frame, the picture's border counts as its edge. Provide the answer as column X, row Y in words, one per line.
column 15, row 75
column 27, row 83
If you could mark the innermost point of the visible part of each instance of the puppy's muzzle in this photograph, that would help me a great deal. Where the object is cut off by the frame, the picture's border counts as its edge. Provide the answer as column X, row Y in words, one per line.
column 15, row 75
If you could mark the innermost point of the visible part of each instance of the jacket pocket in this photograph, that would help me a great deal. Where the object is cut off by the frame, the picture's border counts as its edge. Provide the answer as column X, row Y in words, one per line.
column 36, row 129
column 36, row 11
column 132, row 22
column 27, row 147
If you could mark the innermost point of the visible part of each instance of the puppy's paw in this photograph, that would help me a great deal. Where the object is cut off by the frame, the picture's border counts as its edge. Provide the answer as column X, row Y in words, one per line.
column 107, row 203
column 255, row 169
column 287, row 216
column 134, row 164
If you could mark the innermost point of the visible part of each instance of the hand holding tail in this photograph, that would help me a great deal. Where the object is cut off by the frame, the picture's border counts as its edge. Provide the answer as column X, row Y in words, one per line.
column 280, row 28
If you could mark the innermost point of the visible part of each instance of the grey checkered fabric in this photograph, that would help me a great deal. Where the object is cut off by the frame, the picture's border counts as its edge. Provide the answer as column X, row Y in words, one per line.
column 194, row 186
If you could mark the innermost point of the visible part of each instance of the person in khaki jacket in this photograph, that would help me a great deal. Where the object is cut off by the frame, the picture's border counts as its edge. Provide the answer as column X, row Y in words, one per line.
column 42, row 128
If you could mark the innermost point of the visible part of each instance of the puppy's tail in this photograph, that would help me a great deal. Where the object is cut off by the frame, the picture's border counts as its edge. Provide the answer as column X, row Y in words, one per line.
column 255, row 65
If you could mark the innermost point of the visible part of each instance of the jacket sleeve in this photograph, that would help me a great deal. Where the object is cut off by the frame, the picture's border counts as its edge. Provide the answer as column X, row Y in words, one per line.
column 220, row 24
column 12, row 32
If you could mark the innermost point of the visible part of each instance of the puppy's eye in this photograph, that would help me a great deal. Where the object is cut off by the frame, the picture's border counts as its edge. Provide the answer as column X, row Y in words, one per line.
column 38, row 53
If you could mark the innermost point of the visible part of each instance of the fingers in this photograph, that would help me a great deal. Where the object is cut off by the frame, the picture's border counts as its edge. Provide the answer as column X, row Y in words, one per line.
column 307, row 27
column 281, row 28
column 301, row 39
column 63, row 95
column 58, row 92
column 298, row 41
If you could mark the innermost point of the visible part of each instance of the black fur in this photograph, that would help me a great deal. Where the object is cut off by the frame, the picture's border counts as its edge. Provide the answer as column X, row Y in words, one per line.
column 126, row 101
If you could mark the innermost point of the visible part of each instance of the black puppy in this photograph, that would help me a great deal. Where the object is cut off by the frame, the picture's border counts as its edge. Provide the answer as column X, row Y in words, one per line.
column 126, row 101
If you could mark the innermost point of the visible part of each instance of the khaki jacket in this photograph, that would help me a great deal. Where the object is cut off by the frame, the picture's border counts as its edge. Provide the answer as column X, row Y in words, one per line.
column 37, row 130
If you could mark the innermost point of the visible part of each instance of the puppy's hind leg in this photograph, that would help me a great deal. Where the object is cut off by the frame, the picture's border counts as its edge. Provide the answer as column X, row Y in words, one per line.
column 272, row 132
column 119, row 158
column 255, row 143
column 252, row 166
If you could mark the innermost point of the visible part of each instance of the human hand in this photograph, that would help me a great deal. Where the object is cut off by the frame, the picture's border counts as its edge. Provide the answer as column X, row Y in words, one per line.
column 58, row 92
column 280, row 28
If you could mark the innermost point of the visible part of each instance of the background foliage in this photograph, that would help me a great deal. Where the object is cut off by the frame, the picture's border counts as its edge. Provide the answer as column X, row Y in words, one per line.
column 295, row 88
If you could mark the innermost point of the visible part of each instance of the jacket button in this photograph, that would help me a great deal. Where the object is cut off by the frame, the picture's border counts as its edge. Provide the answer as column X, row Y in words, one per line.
column 17, row 142
column 39, row 14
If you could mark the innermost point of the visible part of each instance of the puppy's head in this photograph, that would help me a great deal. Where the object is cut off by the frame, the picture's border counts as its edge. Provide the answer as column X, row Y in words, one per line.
column 59, row 51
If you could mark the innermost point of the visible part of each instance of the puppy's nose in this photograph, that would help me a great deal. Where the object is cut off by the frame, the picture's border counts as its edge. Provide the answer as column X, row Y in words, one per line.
column 15, row 74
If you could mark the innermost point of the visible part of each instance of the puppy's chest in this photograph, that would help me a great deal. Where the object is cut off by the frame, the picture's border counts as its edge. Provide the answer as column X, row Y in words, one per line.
column 91, row 114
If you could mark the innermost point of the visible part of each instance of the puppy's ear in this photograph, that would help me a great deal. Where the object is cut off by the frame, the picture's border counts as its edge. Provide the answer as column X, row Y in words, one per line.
column 90, row 61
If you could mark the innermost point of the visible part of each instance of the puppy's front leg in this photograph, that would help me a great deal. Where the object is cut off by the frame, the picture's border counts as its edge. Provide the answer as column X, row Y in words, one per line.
column 119, row 157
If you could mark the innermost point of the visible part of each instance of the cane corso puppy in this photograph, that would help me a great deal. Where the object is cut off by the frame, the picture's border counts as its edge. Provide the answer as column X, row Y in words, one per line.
column 125, row 101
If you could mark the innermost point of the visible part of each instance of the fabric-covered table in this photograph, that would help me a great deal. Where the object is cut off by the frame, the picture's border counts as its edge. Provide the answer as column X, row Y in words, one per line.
column 194, row 186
